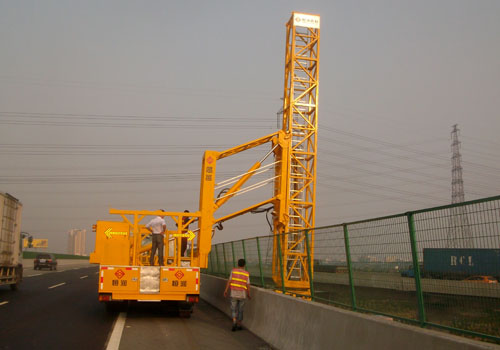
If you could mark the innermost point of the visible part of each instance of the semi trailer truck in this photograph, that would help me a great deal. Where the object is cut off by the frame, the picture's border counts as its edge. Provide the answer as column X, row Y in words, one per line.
column 11, row 267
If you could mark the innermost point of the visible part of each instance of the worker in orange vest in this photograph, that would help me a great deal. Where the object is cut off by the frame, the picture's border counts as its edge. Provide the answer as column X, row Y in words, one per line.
column 239, row 284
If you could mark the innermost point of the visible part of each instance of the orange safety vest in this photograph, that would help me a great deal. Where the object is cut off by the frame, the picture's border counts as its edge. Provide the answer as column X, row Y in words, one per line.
column 239, row 279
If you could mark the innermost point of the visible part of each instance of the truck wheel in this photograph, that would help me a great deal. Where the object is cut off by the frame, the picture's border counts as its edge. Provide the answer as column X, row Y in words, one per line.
column 111, row 306
column 116, row 306
column 19, row 278
column 184, row 313
column 185, row 310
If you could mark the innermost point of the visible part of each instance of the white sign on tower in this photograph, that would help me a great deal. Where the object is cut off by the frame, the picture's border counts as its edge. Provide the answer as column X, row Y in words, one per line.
column 304, row 20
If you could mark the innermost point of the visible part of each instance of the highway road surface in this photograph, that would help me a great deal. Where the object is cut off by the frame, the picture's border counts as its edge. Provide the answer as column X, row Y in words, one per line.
column 59, row 310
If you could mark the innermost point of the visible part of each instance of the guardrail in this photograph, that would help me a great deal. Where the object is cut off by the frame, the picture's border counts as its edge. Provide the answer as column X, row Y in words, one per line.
column 32, row 255
column 416, row 267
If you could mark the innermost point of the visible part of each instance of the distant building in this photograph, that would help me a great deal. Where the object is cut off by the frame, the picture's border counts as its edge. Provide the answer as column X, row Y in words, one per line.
column 76, row 241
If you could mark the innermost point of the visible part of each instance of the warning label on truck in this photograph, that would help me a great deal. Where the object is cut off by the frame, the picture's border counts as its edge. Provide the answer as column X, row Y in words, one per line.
column 119, row 274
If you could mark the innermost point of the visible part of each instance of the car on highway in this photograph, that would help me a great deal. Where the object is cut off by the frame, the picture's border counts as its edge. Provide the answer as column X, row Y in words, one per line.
column 45, row 260
column 481, row 279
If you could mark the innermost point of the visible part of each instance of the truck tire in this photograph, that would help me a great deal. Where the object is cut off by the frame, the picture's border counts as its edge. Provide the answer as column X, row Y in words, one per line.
column 116, row 306
column 19, row 278
column 111, row 306
column 185, row 313
column 185, row 310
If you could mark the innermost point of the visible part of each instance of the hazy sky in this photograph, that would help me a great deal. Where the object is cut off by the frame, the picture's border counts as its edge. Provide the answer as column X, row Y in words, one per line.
column 110, row 104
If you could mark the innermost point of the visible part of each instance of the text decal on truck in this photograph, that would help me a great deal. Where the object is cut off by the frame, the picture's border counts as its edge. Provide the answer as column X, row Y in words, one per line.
column 110, row 233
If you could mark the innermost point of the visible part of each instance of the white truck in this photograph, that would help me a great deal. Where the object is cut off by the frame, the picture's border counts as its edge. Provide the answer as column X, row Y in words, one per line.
column 11, row 267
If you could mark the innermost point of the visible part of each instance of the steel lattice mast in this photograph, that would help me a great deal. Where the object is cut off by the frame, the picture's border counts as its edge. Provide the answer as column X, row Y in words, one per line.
column 459, row 233
column 300, row 124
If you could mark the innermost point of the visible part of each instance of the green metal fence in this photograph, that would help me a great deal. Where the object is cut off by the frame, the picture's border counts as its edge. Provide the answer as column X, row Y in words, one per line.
column 435, row 267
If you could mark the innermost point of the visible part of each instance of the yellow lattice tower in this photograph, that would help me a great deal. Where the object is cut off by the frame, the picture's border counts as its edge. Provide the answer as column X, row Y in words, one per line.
column 298, row 174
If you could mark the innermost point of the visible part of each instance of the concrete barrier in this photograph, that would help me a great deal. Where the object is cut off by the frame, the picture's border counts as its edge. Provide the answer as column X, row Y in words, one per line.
column 290, row 323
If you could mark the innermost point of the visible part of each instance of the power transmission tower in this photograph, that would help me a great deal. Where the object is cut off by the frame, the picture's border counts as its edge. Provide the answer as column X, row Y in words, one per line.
column 459, row 233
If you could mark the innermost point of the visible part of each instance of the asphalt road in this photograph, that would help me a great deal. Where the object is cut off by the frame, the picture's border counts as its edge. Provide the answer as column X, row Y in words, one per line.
column 59, row 310
column 147, row 326
column 44, row 313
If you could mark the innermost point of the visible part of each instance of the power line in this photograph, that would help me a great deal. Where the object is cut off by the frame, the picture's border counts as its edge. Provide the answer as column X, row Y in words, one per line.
column 131, row 121
column 480, row 141
column 195, row 125
column 381, row 164
column 405, row 148
column 393, row 145
column 130, row 117
column 388, row 174
column 134, row 88
column 378, row 163
column 385, row 188
column 404, row 199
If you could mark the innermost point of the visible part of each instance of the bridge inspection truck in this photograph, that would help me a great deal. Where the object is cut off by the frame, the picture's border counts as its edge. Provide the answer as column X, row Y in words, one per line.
column 123, row 248
column 11, row 267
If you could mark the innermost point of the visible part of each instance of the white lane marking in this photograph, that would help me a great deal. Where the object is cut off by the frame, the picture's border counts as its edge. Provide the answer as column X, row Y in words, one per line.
column 83, row 277
column 57, row 285
column 116, row 335
column 38, row 274
column 3, row 303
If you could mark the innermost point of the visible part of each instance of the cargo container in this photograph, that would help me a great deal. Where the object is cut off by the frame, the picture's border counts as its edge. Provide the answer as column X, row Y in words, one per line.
column 458, row 263
column 11, row 268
